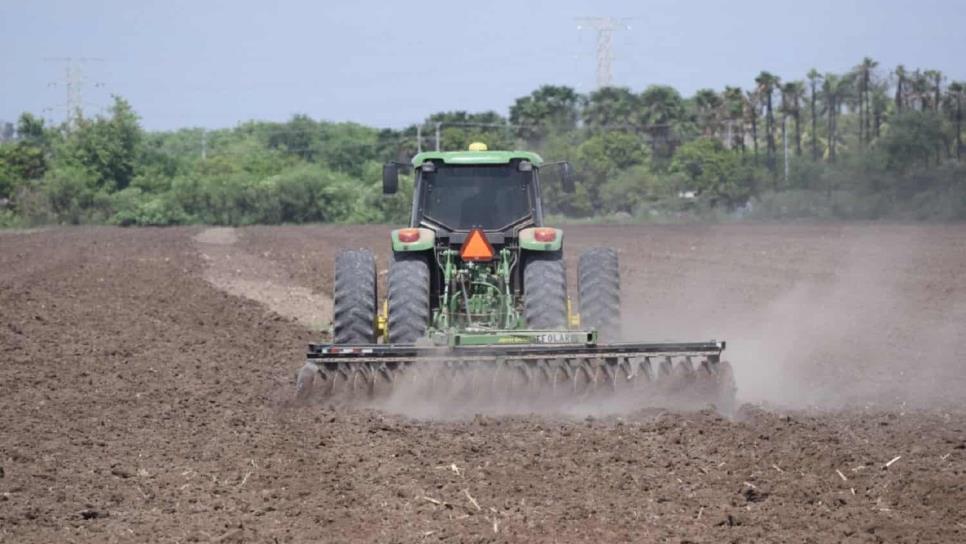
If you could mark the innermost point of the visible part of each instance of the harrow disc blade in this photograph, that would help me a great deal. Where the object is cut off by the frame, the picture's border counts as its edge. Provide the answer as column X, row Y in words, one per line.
column 521, row 380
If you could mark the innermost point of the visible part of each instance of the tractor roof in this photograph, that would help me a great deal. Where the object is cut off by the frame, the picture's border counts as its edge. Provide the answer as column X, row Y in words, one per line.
column 477, row 157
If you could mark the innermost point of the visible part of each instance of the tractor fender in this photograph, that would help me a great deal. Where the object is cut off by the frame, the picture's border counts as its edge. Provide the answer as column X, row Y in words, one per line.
column 426, row 240
column 528, row 240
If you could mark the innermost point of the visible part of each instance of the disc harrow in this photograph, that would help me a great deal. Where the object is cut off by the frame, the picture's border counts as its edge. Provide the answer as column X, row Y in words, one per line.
column 691, row 374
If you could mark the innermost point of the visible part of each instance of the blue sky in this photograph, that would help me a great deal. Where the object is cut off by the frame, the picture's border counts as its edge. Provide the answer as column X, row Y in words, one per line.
column 214, row 64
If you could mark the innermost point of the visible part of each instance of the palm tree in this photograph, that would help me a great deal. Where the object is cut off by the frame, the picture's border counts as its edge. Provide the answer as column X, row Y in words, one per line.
column 548, row 108
column 813, row 79
column 792, row 93
column 835, row 91
column 707, row 106
column 864, row 73
column 734, row 104
column 610, row 107
column 957, row 94
column 880, row 103
column 752, row 110
column 935, row 77
column 766, row 86
column 662, row 110
column 900, row 86
column 919, row 89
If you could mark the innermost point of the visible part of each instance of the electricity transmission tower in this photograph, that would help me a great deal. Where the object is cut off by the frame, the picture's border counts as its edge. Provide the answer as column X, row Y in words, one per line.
column 73, row 83
column 605, row 27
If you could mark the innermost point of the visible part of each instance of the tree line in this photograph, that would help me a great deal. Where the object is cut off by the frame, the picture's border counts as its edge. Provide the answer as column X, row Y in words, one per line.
column 865, row 144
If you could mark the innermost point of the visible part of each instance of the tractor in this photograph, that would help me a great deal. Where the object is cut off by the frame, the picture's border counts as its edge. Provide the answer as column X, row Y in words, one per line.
column 477, row 283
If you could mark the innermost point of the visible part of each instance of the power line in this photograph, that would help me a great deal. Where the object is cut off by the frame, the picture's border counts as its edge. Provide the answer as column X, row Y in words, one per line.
column 605, row 27
column 73, row 83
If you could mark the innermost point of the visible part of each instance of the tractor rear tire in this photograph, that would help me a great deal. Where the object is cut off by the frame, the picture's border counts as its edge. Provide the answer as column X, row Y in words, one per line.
column 599, row 286
column 545, row 291
column 354, row 300
column 408, row 298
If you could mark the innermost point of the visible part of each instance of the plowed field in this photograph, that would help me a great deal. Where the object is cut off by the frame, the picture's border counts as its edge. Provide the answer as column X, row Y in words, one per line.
column 146, row 378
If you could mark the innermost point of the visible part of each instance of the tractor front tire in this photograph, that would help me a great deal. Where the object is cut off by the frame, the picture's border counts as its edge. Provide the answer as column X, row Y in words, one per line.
column 408, row 297
column 599, row 286
column 354, row 300
column 545, row 290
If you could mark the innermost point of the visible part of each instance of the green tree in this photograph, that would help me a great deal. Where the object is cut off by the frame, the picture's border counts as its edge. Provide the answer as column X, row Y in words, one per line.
column 835, row 89
column 549, row 108
column 458, row 129
column 863, row 75
column 901, row 88
column 767, row 82
column 792, row 93
column 714, row 172
column 630, row 189
column 752, row 113
column 920, row 89
column 347, row 147
column 612, row 108
column 956, row 95
column 603, row 155
column 734, row 104
column 880, row 104
column 71, row 191
column 912, row 139
column 109, row 147
column 708, row 113
column 814, row 78
column 300, row 136
column 662, row 110
column 934, row 80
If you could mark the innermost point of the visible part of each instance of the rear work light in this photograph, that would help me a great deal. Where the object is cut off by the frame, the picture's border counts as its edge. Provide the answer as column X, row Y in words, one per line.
column 545, row 235
column 407, row 236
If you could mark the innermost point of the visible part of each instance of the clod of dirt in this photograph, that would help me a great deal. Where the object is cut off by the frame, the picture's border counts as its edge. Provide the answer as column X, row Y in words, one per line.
column 730, row 521
column 92, row 514
column 120, row 473
column 1, row 472
column 754, row 495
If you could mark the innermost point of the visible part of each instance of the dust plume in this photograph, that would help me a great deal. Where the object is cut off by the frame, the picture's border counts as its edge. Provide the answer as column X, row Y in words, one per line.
column 869, row 317
column 427, row 393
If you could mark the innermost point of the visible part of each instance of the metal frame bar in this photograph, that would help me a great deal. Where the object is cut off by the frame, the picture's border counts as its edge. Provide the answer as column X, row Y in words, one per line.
column 329, row 353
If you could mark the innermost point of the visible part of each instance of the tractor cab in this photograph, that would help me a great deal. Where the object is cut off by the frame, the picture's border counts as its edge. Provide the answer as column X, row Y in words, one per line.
column 458, row 191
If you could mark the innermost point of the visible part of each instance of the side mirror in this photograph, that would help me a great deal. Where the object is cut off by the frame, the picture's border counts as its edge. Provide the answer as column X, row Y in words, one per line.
column 567, row 177
column 390, row 178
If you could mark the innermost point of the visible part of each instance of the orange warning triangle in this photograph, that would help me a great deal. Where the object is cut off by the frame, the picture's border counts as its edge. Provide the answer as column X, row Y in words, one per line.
column 476, row 247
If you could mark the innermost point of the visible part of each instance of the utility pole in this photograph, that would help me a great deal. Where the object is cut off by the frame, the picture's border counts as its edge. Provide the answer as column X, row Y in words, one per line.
column 73, row 83
column 437, row 135
column 605, row 27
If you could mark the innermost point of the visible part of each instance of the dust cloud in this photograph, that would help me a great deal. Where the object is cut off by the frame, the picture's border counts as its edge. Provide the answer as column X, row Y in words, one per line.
column 427, row 393
column 867, row 317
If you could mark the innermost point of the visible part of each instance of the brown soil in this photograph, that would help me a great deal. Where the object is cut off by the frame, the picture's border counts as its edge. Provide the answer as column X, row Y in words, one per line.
column 142, row 398
column 254, row 276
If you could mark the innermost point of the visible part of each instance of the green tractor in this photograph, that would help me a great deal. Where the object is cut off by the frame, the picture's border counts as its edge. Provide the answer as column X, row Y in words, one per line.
column 477, row 284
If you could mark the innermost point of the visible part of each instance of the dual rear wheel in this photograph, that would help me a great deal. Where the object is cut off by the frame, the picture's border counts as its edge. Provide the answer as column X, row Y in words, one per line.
column 598, row 286
column 355, row 298
column 544, row 299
